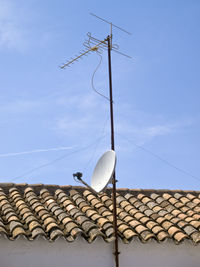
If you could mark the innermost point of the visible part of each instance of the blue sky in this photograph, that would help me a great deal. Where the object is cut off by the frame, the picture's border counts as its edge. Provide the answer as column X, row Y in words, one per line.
column 63, row 125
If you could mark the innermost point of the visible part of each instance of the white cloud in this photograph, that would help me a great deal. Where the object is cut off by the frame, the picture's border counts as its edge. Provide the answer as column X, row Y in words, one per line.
column 19, row 106
column 5, row 8
column 141, row 135
column 69, row 124
column 88, row 116
column 157, row 130
column 143, row 127
column 11, row 36
column 17, row 27
column 11, row 33
column 82, row 101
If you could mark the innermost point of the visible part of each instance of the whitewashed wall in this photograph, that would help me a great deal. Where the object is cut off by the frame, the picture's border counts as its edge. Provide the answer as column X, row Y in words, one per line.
column 23, row 253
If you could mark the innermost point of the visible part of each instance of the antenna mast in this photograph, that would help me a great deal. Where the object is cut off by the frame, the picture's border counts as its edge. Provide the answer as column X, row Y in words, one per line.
column 99, row 46
column 116, row 252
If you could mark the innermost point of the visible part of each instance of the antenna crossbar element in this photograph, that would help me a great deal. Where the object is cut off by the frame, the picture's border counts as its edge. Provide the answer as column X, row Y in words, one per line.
column 112, row 25
column 125, row 55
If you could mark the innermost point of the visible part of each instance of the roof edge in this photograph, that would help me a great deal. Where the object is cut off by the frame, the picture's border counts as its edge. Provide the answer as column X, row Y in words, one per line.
column 53, row 187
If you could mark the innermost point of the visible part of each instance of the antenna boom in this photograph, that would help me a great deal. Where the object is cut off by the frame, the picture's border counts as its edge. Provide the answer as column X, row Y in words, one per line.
column 94, row 48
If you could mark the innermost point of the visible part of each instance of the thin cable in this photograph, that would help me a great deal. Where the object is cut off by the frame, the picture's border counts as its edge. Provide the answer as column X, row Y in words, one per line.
column 92, row 80
column 55, row 160
column 160, row 158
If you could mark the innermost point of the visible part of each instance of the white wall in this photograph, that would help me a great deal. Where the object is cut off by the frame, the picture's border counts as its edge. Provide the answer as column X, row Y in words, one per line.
column 160, row 255
column 23, row 253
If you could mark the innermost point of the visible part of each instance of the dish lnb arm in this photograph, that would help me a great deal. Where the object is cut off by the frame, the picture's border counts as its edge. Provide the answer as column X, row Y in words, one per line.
column 78, row 176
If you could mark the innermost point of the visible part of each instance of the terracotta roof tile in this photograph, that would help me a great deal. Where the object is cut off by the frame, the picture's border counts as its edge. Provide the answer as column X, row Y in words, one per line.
column 68, row 211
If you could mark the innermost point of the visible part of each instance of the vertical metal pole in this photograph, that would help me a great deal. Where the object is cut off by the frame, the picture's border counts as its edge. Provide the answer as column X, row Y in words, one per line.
column 116, row 252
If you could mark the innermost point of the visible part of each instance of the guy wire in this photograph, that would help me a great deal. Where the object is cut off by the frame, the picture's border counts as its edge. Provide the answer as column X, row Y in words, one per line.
column 97, row 144
column 57, row 159
column 160, row 158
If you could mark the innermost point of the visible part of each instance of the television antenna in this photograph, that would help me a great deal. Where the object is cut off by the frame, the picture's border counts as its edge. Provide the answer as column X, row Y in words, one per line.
column 108, row 160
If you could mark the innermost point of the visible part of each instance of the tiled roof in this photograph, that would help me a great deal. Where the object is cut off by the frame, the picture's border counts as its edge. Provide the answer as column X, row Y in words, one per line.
column 68, row 211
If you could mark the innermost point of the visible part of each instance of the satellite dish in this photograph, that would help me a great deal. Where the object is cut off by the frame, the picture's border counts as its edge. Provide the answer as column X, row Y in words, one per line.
column 103, row 171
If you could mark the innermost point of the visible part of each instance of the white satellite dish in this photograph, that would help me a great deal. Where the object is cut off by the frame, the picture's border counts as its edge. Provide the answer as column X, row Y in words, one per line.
column 103, row 171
